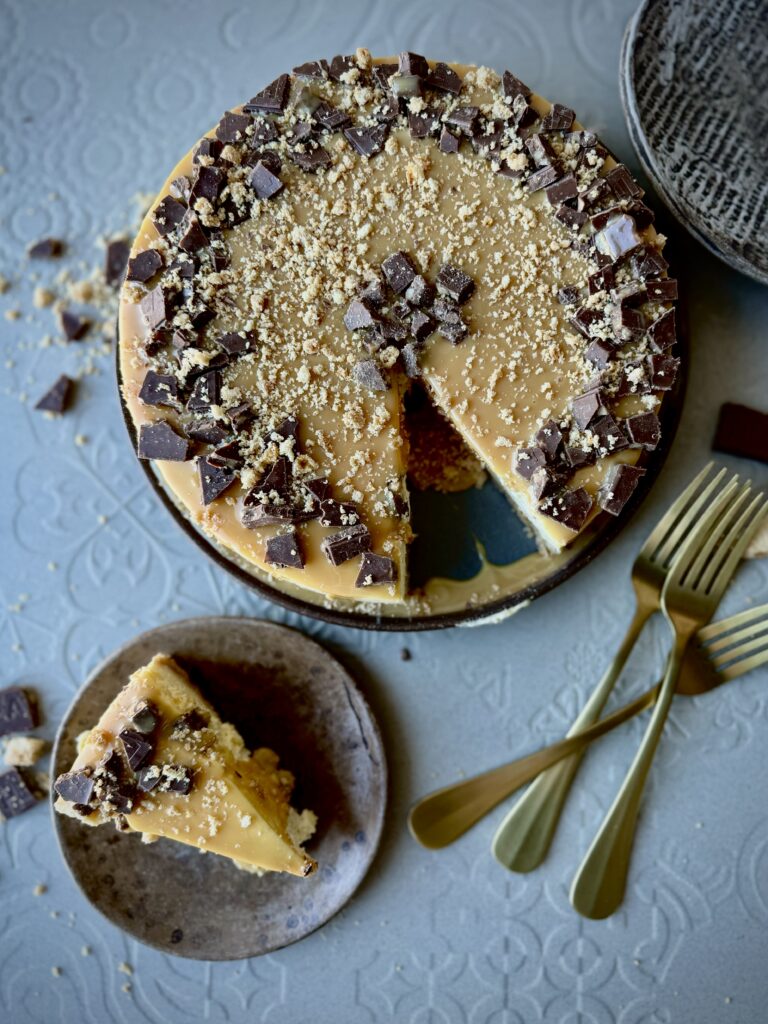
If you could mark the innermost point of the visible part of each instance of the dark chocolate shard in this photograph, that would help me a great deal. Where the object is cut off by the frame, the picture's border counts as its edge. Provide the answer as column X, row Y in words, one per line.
column 444, row 79
column 214, row 480
column 341, row 65
column 145, row 717
column 549, row 438
column 742, row 431
column 369, row 375
column 73, row 325
column 155, row 308
column 382, row 74
column 540, row 148
column 193, row 236
column 622, row 184
column 277, row 478
column 263, row 182
column 609, row 434
column 584, row 319
column 115, row 261
column 421, row 325
column 374, row 294
column 76, row 787
column 409, row 357
column 179, row 188
column 449, row 143
column 563, row 190
column 46, row 249
column 525, row 115
column 419, row 292
column 168, row 214
column 576, row 457
column 338, row 513
column 647, row 262
column 571, row 218
column 160, row 441
column 288, row 428
column 545, row 482
column 227, row 455
column 570, row 508
column 207, row 147
column 627, row 322
column 17, row 712
column 412, row 64
column 528, row 460
column 271, row 100
column 454, row 282
column 662, row 331
column 159, row 389
column 586, row 407
column 568, row 295
column 312, row 160
column 399, row 271
column 599, row 353
column 512, row 86
column 319, row 488
column 662, row 372
column 375, row 570
column 618, row 487
column 206, row 431
column 463, row 119
column 264, row 514
column 176, row 778
column 541, row 178
column 367, row 141
column 147, row 778
column 331, row 119
column 232, row 127
column 559, row 119
column 207, row 184
column 138, row 749
column 618, row 237
column 16, row 794
column 643, row 430
column 424, row 124
column 663, row 290
column 240, row 416
column 597, row 192
column 206, row 392
column 144, row 265
column 603, row 280
column 312, row 69
column 284, row 551
column 359, row 315
column 56, row 399
column 236, row 343
column 346, row 544
column 264, row 132
column 454, row 333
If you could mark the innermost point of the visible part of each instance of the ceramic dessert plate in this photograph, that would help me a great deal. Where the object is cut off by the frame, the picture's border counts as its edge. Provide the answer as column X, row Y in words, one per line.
column 280, row 690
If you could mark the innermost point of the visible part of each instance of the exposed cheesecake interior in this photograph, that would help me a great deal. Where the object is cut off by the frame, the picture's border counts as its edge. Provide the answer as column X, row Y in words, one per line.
column 302, row 223
column 161, row 762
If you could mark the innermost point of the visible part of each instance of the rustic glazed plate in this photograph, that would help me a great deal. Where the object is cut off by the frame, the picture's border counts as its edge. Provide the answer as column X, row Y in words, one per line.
column 299, row 700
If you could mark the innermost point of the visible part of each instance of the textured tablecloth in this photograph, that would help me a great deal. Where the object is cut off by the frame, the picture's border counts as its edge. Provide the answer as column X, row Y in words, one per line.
column 98, row 101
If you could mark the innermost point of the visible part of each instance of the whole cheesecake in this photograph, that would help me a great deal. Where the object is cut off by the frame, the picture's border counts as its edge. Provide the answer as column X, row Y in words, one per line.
column 356, row 225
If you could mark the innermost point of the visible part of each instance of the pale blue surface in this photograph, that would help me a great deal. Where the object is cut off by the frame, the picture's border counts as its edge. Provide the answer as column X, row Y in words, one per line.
column 99, row 99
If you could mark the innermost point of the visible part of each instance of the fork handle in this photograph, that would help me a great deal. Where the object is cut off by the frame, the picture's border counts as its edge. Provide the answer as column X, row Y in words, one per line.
column 524, row 836
column 599, row 885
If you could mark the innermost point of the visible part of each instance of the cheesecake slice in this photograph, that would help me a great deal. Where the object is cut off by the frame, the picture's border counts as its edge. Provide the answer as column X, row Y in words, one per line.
column 161, row 762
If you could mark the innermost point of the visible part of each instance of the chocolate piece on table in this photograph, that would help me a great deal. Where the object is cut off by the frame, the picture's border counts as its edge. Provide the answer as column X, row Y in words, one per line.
column 312, row 160
column 271, row 100
column 559, row 119
column 662, row 331
column 368, row 373
column 17, row 712
column 359, row 315
column 610, row 435
column 56, row 399
column 46, row 249
column 346, row 544
column 541, row 178
column 399, row 271
column 154, row 307
column 232, row 127
column 662, row 371
column 206, row 392
column 76, row 787
column 421, row 325
column 444, row 79
column 454, row 282
column 115, row 261
column 214, row 480
column 193, row 235
column 375, row 570
column 449, row 143
column 643, row 430
column 570, row 508
column 512, row 86
column 144, row 265
column 207, row 184
column 618, row 487
column 662, row 290
column 742, row 431
column 159, row 389
column 454, row 333
column 138, row 749
column 564, row 188
column 338, row 513
column 463, row 119
column 549, row 438
column 168, row 214
column 586, row 407
column 73, row 325
column 599, row 353
column 263, row 182
column 528, row 460
column 235, row 343
column 367, row 141
column 16, row 794
column 313, row 69
column 160, row 441
column 284, row 551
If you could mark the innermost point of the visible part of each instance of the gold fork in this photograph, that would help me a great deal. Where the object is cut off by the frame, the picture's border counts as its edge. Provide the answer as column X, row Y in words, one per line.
column 695, row 584
column 524, row 836
column 729, row 649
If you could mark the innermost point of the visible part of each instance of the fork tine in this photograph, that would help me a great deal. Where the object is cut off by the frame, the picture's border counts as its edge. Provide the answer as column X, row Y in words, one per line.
column 710, row 522
column 722, row 643
column 675, row 510
column 702, row 570
column 747, row 526
column 740, row 668
column 715, row 629
column 675, row 525
column 737, row 653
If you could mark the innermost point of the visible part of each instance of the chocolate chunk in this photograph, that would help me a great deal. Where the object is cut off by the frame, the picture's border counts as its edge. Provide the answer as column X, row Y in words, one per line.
column 401, row 311
column 525, row 115
column 168, row 214
column 449, row 143
column 455, row 333
column 263, row 182
column 564, row 188
column 540, row 148
column 359, row 315
column 421, row 325
column 193, row 234
column 633, row 293
column 412, row 64
column 423, row 124
column 176, row 778
column 271, row 100
column 276, row 478
column 386, row 332
column 206, row 392
column 559, row 119
column 622, row 184
column 319, row 488
column 599, row 353
column 264, row 514
column 399, row 271
column 16, row 794
column 191, row 721
column 455, row 283
column 341, row 65
column 512, row 86
column 73, row 325
column 207, row 147
column 240, row 416
column 138, row 749
column 56, row 399
column 488, row 141
column 648, row 262
column 46, row 249
column 618, row 237
column 207, row 184
column 633, row 381
column 313, row 69
column 571, row 218
column 205, row 431
column 576, row 457
column 405, row 87
column 346, row 544
column 338, row 513
column 147, row 778
column 586, row 407
column 264, row 132
column 236, row 343
column 17, row 712
column 145, row 717
column 368, row 374
column 144, row 265
column 609, row 434
column 227, row 455
column 662, row 372
column 549, row 438
column 568, row 295
column 214, row 480
column 155, row 307
column 331, row 119
column 627, row 322
column 444, row 79
column 375, row 570
column 597, row 192
column 284, row 551
column 584, row 319
column 446, row 311
column 541, row 178
column 419, row 292
column 528, row 460
column 312, row 160
column 662, row 331
column 232, row 127
column 115, row 261
column 367, row 141
column 602, row 280
column 618, row 487
column 179, row 188
column 570, row 508
column 643, row 430
column 287, row 429
column 742, row 431
column 76, row 787
column 160, row 441
column 464, row 119
column 159, row 389
column 373, row 294
column 409, row 357
column 545, row 482
column 663, row 290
